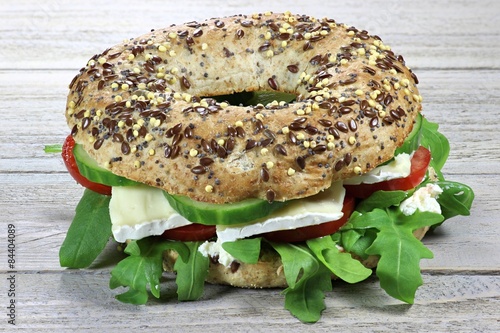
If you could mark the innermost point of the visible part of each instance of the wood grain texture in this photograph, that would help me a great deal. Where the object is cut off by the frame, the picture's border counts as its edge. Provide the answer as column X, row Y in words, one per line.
column 452, row 46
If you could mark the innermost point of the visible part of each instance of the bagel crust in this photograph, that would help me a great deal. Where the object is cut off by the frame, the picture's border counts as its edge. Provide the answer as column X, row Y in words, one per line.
column 143, row 108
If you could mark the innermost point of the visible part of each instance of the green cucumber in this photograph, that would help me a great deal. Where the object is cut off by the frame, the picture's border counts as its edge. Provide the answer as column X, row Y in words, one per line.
column 244, row 211
column 412, row 141
column 89, row 168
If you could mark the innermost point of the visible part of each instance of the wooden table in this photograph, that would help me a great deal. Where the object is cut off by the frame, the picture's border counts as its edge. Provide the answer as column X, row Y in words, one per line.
column 453, row 47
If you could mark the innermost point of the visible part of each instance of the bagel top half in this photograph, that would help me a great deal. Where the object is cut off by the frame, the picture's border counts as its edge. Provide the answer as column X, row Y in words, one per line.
column 143, row 108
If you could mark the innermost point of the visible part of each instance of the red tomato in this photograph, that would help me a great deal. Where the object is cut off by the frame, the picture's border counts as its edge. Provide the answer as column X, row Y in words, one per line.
column 190, row 233
column 313, row 231
column 419, row 164
column 69, row 161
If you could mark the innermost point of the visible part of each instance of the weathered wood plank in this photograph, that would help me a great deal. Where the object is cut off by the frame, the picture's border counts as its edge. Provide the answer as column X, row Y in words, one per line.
column 436, row 35
column 76, row 300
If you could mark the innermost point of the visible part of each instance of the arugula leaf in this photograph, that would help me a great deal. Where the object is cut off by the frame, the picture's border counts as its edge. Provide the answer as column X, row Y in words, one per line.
column 381, row 199
column 399, row 250
column 144, row 267
column 412, row 141
column 298, row 262
column 307, row 281
column 245, row 250
column 307, row 300
column 437, row 143
column 89, row 232
column 342, row 264
column 191, row 273
column 456, row 199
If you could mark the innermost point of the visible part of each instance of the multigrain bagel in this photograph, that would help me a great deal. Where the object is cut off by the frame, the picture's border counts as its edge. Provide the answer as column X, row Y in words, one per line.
column 266, row 273
column 143, row 109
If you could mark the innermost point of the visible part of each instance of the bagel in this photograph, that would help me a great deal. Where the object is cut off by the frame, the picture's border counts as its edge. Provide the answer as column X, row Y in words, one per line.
column 144, row 109
column 166, row 110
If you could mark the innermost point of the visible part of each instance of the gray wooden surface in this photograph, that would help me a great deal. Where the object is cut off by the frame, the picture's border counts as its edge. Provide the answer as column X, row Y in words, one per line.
column 453, row 46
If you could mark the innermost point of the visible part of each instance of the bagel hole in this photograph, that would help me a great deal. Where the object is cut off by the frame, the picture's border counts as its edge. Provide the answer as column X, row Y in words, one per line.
column 253, row 98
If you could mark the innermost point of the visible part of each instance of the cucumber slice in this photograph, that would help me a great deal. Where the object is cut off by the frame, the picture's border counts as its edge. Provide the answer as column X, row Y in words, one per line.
column 412, row 141
column 89, row 168
column 222, row 214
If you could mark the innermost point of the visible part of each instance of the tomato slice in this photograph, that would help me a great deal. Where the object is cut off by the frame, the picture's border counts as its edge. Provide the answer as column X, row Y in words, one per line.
column 419, row 164
column 313, row 231
column 190, row 233
column 69, row 161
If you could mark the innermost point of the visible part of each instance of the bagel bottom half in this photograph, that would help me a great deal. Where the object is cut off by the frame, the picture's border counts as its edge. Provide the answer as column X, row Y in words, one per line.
column 266, row 273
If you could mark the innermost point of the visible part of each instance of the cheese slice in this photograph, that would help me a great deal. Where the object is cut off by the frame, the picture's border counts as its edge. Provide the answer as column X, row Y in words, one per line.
column 400, row 167
column 323, row 207
column 140, row 211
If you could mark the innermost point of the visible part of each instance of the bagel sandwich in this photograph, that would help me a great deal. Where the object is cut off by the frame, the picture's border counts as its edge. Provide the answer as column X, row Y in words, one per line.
column 260, row 151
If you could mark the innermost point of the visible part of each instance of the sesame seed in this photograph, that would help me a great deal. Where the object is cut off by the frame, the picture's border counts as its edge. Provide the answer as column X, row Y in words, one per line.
column 352, row 140
column 151, row 152
column 264, row 151
column 209, row 188
column 290, row 171
column 269, row 165
column 239, row 123
column 148, row 137
column 357, row 170
column 359, row 92
column 137, row 164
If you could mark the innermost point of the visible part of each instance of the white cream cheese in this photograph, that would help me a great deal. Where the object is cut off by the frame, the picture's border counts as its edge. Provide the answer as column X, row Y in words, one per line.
column 214, row 249
column 400, row 167
column 423, row 199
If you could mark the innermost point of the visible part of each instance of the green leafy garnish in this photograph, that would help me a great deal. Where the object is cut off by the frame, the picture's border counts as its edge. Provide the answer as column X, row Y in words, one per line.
column 143, row 268
column 245, row 250
column 399, row 250
column 307, row 280
column 338, row 262
column 381, row 199
column 57, row 148
column 456, row 199
column 192, row 269
column 89, row 232
column 437, row 143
